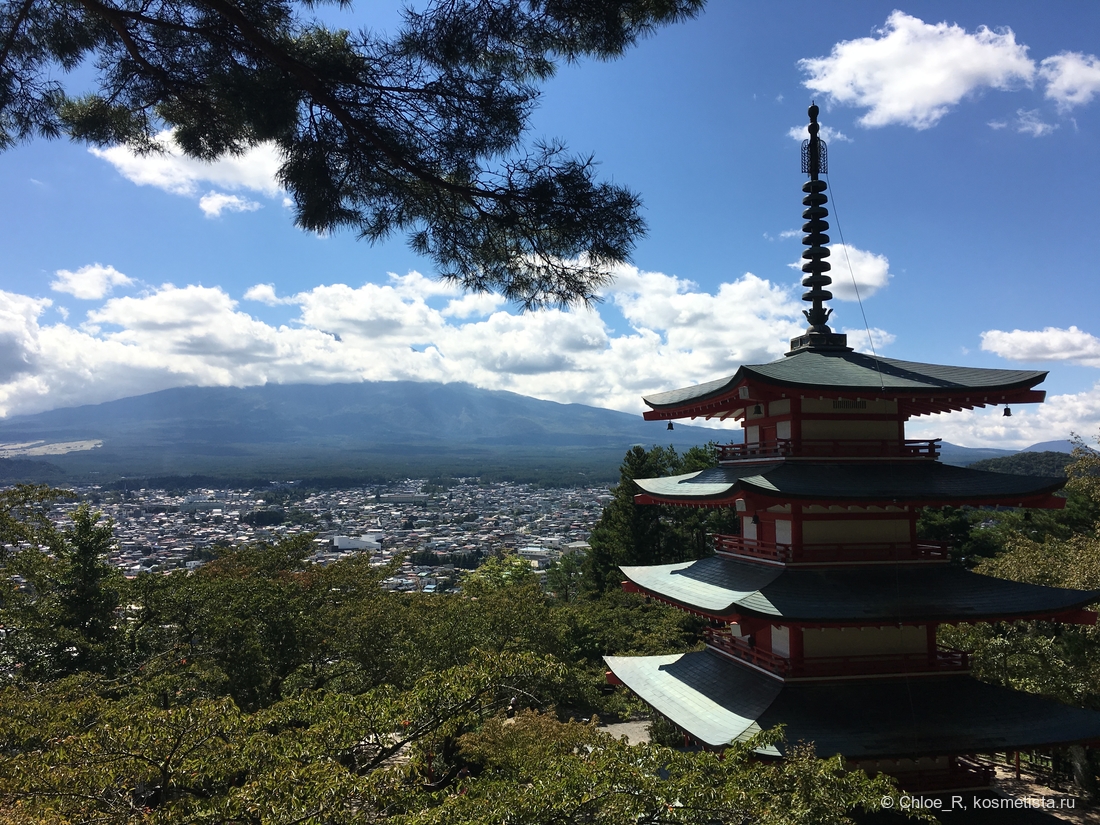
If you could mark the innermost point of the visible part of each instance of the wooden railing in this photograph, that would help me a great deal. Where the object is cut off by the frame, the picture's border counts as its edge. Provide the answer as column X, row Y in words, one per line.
column 941, row 660
column 723, row 642
column 726, row 545
column 821, row 448
column 920, row 550
column 960, row 775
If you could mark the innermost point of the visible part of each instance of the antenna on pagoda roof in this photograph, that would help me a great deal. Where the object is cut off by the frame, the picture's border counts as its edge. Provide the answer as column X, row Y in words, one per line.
column 815, row 160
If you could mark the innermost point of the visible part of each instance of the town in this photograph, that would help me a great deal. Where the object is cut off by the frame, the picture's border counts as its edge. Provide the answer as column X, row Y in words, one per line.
column 432, row 532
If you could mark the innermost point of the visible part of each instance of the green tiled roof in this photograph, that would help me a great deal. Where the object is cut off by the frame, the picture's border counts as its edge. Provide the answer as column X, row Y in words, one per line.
column 872, row 593
column 856, row 371
column 719, row 701
column 698, row 696
column 858, row 481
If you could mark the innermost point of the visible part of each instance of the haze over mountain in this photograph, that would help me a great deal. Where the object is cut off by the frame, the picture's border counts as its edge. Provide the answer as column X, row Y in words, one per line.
column 334, row 429
column 342, row 431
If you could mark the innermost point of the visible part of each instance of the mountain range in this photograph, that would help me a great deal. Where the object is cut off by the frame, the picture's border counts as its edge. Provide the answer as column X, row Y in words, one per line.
column 334, row 431
column 364, row 431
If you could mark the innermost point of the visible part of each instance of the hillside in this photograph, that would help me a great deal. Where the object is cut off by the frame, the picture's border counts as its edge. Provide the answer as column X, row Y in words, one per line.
column 1027, row 463
column 335, row 432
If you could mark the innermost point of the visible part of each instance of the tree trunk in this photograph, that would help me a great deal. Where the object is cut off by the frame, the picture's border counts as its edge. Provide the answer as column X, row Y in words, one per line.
column 1083, row 773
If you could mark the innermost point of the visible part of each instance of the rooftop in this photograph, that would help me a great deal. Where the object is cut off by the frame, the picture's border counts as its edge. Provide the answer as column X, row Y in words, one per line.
column 861, row 595
column 917, row 386
column 912, row 482
column 719, row 701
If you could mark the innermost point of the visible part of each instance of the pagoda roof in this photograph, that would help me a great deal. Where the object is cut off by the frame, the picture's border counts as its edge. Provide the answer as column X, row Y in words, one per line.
column 914, row 482
column 719, row 701
column 868, row 375
column 863, row 595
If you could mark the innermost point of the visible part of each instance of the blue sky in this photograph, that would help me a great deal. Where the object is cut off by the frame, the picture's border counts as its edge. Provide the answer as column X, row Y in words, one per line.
column 964, row 157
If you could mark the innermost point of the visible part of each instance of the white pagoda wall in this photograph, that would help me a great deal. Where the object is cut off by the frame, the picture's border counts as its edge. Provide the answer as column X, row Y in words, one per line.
column 840, row 430
column 839, row 531
column 863, row 641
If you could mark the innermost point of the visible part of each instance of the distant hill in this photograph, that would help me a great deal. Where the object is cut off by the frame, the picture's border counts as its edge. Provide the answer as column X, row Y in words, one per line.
column 1045, row 463
column 333, row 431
column 968, row 456
column 1063, row 446
column 28, row 471
column 343, row 433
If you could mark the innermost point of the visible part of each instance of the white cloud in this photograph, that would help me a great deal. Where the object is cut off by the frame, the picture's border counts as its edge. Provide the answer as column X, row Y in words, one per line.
column 1072, row 78
column 1050, row 344
column 19, row 336
column 214, row 203
column 675, row 335
column 857, row 339
column 264, row 294
column 747, row 321
column 998, row 124
column 1029, row 424
column 89, row 283
column 172, row 171
column 827, row 134
column 1028, row 122
column 912, row 73
column 477, row 303
column 871, row 271
column 415, row 285
column 194, row 335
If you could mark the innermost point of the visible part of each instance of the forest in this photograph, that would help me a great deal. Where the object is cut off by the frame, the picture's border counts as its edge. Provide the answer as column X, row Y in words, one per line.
column 263, row 689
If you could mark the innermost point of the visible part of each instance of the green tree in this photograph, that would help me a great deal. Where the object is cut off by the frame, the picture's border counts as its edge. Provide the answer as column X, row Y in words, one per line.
column 627, row 533
column 422, row 133
column 565, row 577
column 617, row 623
column 1055, row 659
column 25, row 515
column 632, row 534
column 260, row 622
column 537, row 770
column 64, row 619
column 961, row 528
column 263, row 689
column 73, row 754
column 89, row 591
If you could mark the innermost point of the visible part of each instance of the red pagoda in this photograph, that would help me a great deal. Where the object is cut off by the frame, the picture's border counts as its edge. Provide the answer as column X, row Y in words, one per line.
column 824, row 610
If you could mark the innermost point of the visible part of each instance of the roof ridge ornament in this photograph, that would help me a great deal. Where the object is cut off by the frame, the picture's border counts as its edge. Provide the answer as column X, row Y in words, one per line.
column 815, row 160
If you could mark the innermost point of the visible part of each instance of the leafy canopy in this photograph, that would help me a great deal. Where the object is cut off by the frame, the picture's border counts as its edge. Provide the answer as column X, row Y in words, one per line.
column 423, row 133
column 632, row 534
column 1058, row 548
column 263, row 689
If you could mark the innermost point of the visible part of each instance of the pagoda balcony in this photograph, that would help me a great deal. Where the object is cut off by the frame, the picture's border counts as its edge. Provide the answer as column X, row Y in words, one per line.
column 847, row 552
column 846, row 448
column 942, row 660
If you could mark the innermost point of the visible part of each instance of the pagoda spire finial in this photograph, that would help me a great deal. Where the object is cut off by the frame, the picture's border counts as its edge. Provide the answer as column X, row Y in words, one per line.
column 815, row 160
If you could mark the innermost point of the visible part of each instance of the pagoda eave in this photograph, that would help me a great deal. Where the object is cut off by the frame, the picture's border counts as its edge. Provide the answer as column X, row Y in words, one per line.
column 732, row 406
column 848, row 483
column 751, row 621
column 719, row 701
column 722, row 588
column 919, row 389
column 1045, row 501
